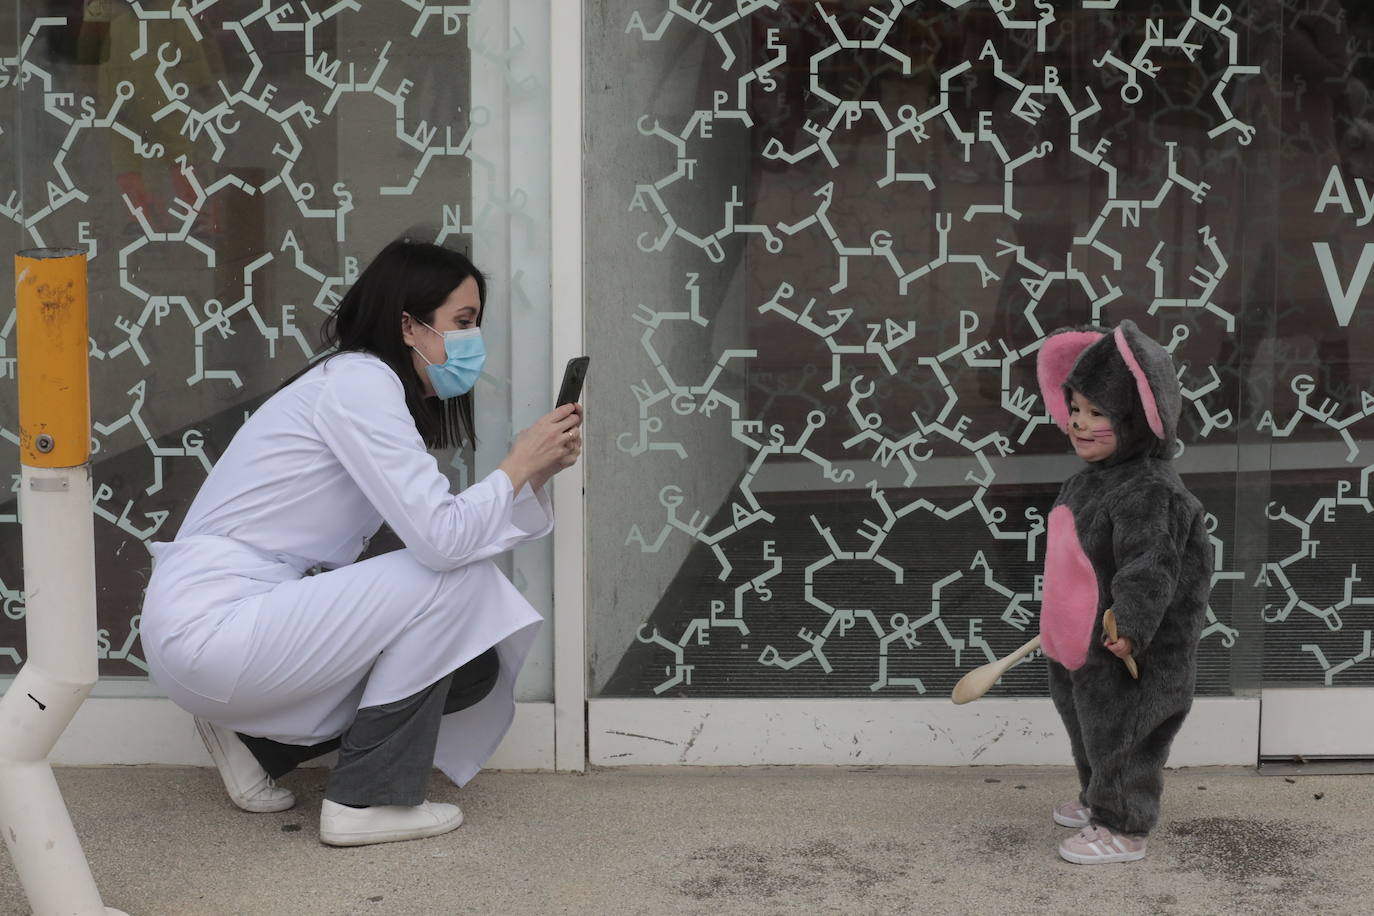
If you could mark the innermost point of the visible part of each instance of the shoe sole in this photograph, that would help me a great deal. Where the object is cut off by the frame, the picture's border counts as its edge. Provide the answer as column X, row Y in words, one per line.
column 285, row 804
column 1063, row 821
column 216, row 752
column 388, row 836
column 1109, row 859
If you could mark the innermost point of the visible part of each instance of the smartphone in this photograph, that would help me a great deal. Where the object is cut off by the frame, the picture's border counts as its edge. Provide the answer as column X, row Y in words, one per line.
column 571, row 389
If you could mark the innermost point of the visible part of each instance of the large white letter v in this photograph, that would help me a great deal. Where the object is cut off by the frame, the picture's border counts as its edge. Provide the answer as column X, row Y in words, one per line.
column 1343, row 299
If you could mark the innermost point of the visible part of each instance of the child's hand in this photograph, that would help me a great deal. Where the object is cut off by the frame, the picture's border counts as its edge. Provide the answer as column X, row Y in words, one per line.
column 1121, row 648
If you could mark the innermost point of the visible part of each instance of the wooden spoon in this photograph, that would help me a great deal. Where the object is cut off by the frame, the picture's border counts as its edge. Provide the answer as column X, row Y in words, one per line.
column 980, row 680
column 1109, row 624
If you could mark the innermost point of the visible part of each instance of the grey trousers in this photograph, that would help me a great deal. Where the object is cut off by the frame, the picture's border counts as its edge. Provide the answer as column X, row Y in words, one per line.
column 387, row 753
column 1120, row 732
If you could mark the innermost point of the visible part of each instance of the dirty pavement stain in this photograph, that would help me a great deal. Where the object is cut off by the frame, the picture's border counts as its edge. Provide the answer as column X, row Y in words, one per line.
column 1245, row 850
column 743, row 870
column 1007, row 839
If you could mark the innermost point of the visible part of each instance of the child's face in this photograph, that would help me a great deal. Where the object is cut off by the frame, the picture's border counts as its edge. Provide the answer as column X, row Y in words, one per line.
column 1090, row 431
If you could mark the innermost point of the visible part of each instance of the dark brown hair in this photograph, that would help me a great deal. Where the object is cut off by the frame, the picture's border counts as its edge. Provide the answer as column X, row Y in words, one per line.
column 413, row 278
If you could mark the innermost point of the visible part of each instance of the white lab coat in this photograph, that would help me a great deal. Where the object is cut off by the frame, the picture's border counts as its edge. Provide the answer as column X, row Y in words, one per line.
column 236, row 633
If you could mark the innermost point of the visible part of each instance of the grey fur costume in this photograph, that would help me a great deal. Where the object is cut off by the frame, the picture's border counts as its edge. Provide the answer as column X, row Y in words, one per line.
column 1125, row 534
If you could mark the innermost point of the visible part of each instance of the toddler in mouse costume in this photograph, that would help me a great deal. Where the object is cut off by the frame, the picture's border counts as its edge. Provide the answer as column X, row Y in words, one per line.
column 1124, row 534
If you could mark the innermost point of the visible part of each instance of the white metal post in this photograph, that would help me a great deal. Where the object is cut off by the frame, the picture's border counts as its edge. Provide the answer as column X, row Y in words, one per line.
column 569, row 560
column 59, row 582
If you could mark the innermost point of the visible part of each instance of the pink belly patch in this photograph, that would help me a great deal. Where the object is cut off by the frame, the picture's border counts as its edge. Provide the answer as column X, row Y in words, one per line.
column 1068, row 608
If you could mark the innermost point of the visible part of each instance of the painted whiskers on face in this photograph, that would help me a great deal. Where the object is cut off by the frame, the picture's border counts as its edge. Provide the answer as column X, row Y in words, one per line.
column 1090, row 429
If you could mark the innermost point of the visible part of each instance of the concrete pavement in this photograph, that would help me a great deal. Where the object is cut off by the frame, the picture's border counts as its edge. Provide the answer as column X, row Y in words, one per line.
column 164, row 841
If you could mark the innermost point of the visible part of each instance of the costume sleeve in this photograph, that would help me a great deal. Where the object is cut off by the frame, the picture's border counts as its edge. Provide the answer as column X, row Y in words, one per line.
column 1147, row 562
column 362, row 416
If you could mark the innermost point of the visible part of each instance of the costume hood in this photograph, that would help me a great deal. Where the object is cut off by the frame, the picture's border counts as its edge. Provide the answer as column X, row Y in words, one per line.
column 1124, row 372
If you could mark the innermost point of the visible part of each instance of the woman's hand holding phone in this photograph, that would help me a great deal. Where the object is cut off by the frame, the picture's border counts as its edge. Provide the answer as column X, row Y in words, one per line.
column 552, row 443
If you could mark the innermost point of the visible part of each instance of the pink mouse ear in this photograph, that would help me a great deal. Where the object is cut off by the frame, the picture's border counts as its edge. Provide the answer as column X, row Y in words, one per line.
column 1057, row 355
column 1142, row 384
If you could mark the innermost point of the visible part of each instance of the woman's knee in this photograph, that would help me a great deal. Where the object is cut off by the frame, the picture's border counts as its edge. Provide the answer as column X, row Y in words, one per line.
column 473, row 681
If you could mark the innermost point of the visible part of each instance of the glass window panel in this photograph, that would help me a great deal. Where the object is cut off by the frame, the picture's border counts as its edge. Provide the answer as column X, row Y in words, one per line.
column 230, row 168
column 839, row 232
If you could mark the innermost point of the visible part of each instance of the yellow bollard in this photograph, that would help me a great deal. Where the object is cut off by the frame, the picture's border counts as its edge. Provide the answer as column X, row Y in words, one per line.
column 59, row 582
column 54, row 385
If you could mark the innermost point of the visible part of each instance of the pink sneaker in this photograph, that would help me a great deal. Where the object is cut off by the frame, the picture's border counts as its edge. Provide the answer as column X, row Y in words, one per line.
column 1096, row 845
column 1073, row 814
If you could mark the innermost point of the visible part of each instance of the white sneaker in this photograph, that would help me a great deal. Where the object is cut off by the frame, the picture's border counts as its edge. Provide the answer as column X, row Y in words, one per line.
column 341, row 825
column 249, row 786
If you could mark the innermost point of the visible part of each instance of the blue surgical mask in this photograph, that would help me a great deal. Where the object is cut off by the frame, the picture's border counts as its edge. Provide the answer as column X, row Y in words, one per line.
column 458, row 372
